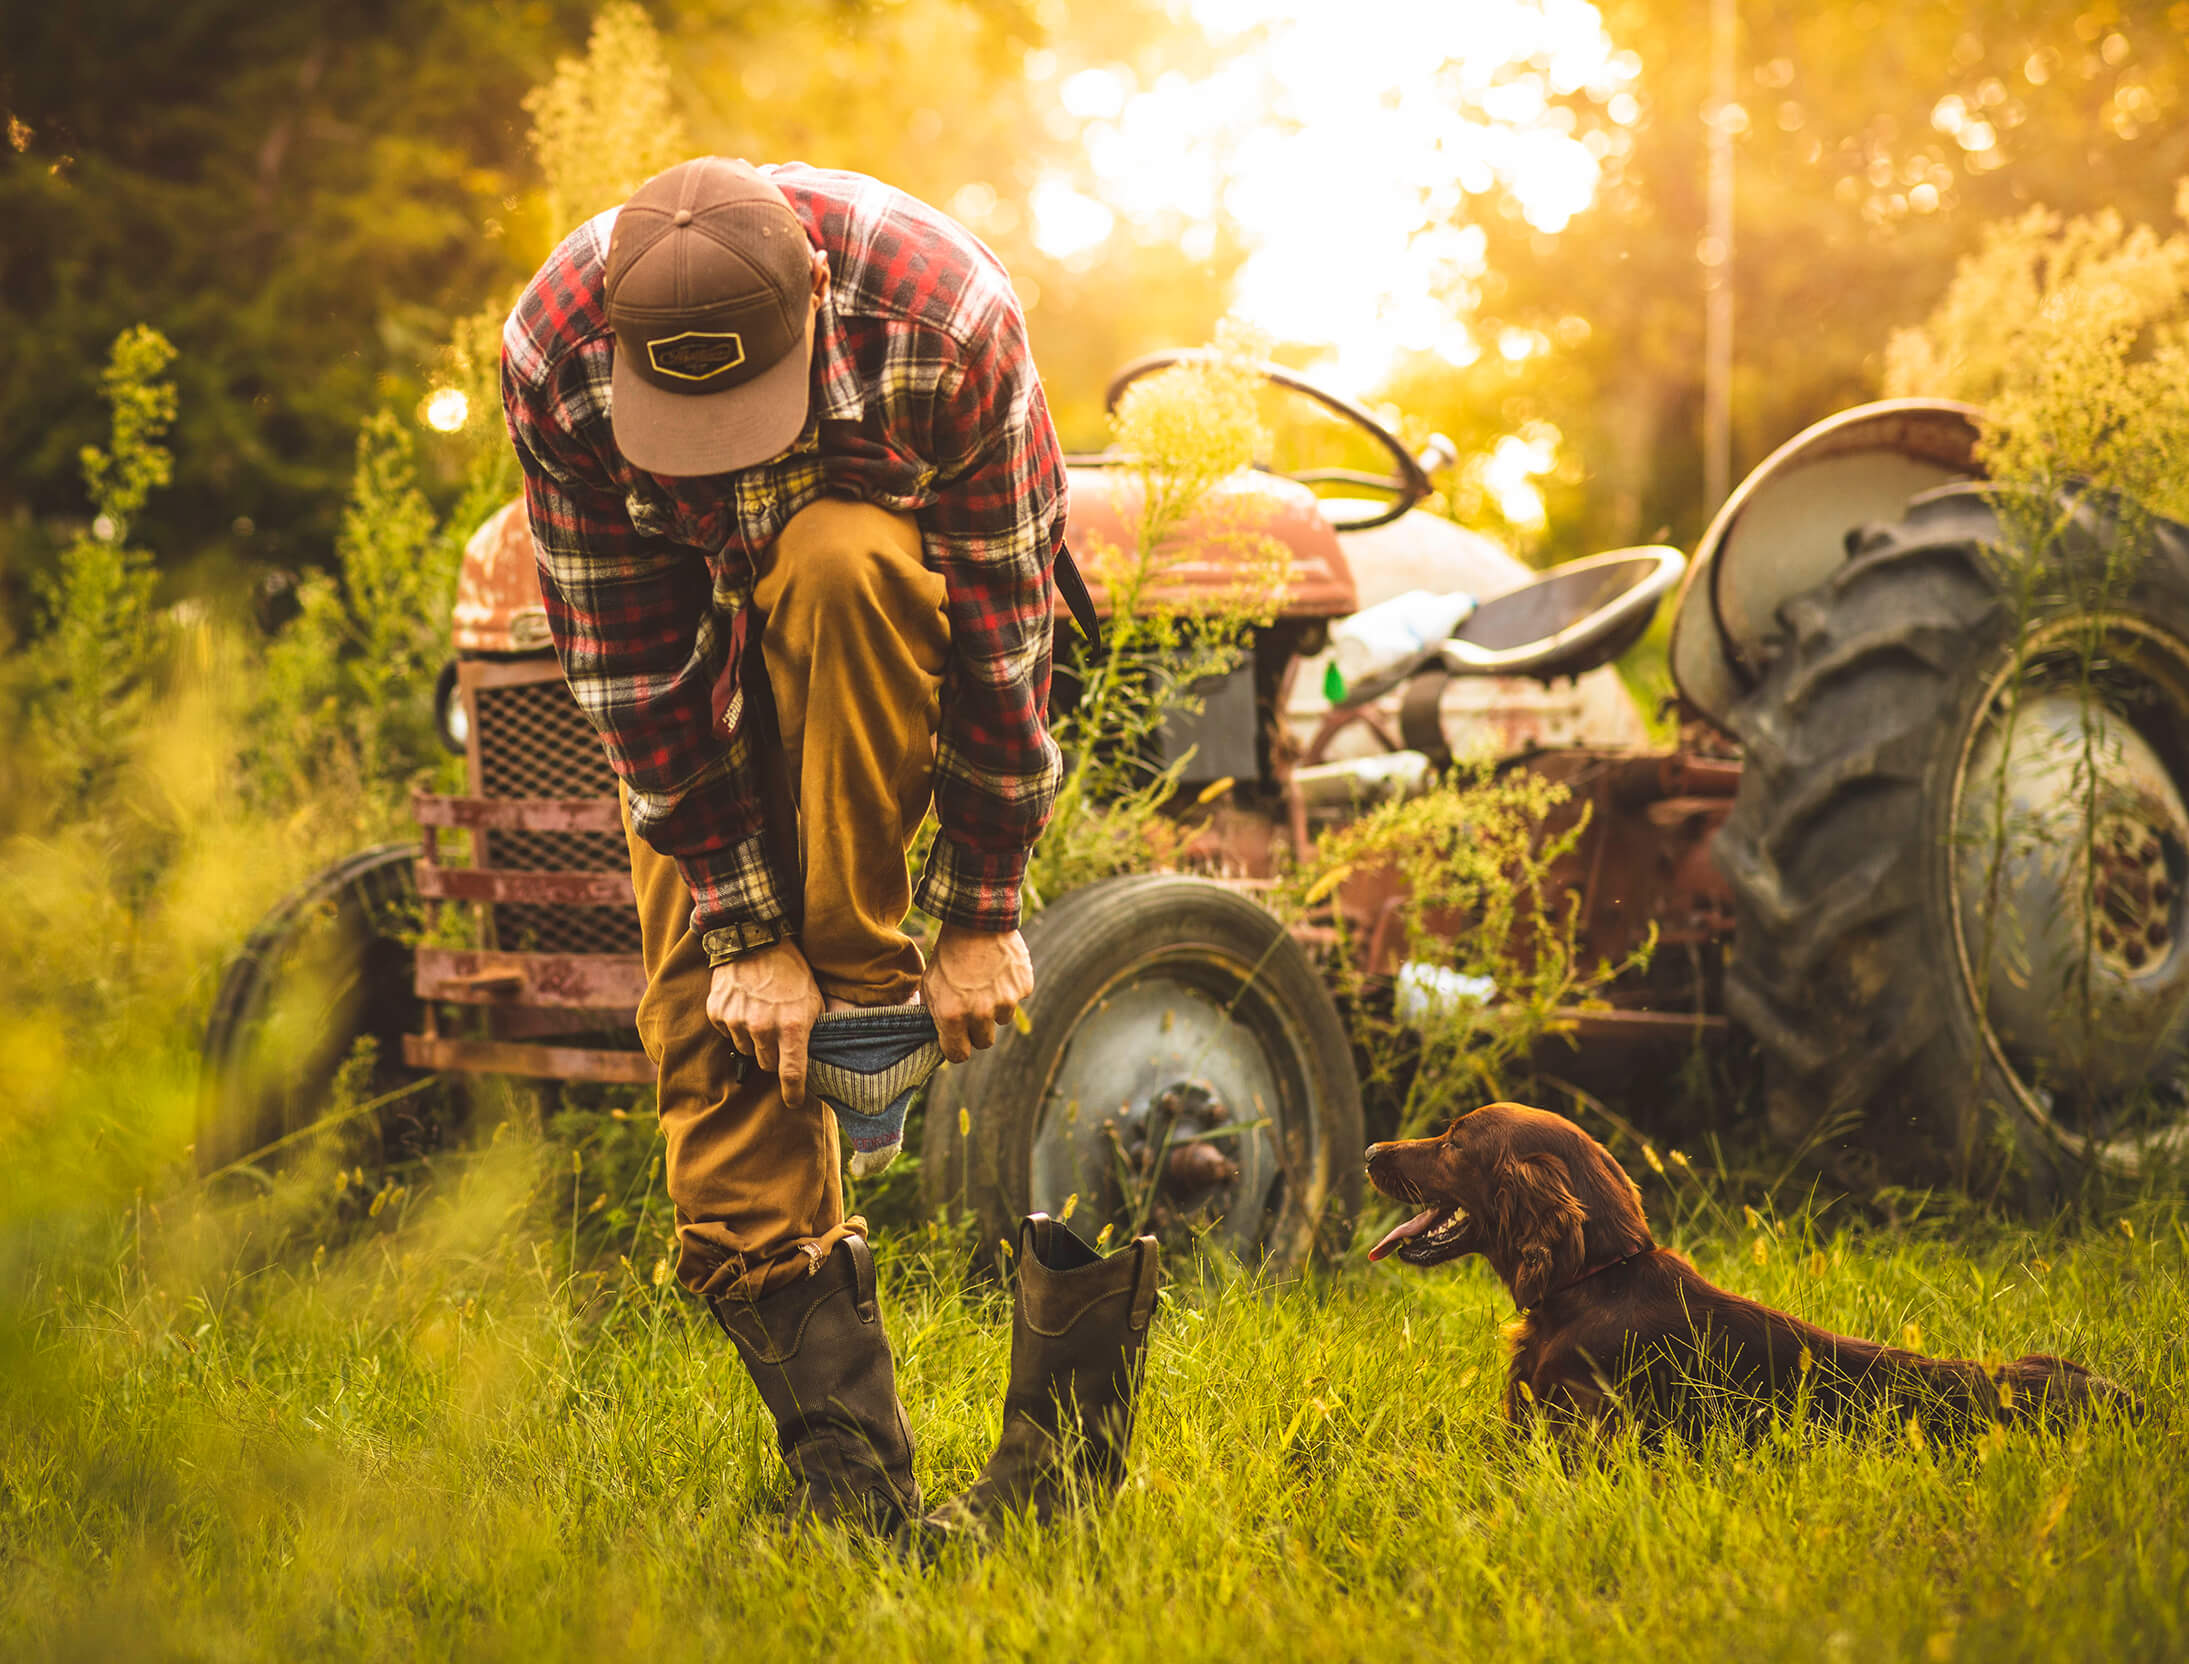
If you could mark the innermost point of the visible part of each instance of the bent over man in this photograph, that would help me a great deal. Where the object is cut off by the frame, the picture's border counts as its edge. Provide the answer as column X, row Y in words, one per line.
column 799, row 509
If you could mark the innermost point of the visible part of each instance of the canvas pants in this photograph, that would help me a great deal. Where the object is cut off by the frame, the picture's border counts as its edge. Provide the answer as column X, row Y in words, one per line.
column 852, row 638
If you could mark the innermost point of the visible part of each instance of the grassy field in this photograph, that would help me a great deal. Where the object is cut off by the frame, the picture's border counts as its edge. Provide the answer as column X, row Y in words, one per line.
column 430, row 1437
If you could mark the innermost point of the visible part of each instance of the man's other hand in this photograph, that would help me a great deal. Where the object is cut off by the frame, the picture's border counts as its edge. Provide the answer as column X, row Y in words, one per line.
column 766, row 1002
column 974, row 982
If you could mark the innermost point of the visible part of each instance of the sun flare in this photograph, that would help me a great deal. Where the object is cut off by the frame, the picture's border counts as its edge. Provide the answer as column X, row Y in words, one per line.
column 1346, row 145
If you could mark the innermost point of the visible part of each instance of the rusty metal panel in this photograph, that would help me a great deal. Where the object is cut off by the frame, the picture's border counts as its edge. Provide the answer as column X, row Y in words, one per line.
column 1204, row 556
column 534, row 1022
column 1616, row 1026
column 608, row 982
column 508, row 673
column 555, row 889
column 517, row 814
column 501, row 1057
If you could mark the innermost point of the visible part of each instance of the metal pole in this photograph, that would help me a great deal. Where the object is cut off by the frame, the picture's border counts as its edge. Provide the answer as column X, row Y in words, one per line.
column 1717, row 263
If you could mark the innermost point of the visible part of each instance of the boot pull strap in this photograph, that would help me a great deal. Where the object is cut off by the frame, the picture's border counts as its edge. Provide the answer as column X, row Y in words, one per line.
column 1143, row 1306
column 862, row 1277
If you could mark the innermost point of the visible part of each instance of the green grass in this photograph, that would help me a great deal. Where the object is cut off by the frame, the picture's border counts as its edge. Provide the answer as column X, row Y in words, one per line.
column 433, row 1440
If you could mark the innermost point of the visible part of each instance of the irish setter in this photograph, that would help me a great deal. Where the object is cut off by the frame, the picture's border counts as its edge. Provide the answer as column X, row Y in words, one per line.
column 1618, row 1329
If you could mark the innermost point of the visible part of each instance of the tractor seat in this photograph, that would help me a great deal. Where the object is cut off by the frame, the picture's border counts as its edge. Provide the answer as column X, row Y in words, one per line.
column 1571, row 619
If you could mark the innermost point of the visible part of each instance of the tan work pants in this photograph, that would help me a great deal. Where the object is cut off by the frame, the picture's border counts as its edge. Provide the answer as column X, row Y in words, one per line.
column 852, row 640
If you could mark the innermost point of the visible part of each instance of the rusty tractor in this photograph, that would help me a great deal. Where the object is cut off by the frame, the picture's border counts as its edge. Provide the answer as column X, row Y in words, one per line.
column 1861, row 695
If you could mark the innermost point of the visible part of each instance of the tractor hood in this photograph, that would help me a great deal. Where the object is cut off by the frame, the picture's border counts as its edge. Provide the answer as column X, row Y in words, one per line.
column 498, row 605
column 1204, row 555
column 1785, row 531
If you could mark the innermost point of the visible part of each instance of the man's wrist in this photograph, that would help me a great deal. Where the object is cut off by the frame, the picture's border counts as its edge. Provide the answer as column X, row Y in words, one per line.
column 734, row 941
column 948, row 927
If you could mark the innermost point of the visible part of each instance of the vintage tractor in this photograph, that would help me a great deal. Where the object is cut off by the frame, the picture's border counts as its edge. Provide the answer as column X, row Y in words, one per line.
column 1863, row 692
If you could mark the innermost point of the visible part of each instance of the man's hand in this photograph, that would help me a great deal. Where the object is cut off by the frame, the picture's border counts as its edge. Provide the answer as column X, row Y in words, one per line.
column 975, row 980
column 766, row 1001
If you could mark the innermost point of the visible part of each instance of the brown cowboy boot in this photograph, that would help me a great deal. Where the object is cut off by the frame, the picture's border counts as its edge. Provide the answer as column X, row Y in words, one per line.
column 816, row 1350
column 1077, row 1335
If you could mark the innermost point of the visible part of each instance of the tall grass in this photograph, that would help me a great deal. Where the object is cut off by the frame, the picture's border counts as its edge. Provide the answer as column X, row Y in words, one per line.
column 440, row 1441
column 169, row 775
column 1185, row 438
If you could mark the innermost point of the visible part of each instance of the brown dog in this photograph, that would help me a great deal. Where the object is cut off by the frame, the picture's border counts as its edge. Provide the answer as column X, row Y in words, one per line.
column 1618, row 1328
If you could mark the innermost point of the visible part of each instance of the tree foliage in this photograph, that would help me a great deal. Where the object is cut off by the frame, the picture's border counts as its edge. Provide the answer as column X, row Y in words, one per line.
column 605, row 124
column 1873, row 146
column 307, row 199
column 297, row 196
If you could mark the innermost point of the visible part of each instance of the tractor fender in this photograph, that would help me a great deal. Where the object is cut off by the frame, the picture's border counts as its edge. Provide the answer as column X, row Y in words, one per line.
column 1785, row 530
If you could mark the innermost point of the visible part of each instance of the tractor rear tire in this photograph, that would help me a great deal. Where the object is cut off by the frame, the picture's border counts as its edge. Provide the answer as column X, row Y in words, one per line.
column 324, row 979
column 1855, row 852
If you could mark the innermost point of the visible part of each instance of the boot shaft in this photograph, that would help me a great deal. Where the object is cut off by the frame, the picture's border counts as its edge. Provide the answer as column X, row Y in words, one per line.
column 1078, row 1333
column 817, row 1352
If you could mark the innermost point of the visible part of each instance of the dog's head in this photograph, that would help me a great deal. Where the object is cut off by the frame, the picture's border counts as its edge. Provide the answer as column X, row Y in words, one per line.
column 1528, row 1190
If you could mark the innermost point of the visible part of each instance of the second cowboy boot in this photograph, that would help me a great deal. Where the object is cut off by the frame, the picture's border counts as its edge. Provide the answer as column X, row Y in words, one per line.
column 1077, row 1334
column 817, row 1351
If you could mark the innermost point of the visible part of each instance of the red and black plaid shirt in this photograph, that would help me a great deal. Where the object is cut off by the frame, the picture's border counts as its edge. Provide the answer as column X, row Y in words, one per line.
column 925, row 401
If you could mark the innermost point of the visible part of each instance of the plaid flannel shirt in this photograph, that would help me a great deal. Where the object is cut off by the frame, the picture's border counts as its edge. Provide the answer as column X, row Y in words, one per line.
column 925, row 401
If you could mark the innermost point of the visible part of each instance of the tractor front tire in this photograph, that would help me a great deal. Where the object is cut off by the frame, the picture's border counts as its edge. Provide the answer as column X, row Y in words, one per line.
column 1183, row 1070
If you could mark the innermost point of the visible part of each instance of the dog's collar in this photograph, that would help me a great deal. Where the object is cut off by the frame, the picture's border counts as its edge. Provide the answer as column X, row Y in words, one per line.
column 1607, row 1265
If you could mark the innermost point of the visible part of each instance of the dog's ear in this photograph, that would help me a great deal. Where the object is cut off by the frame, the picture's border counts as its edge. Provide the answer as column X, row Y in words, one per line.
column 1540, row 1219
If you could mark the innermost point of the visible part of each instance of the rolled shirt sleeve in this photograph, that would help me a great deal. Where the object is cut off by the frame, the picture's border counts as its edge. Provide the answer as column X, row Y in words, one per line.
column 993, row 531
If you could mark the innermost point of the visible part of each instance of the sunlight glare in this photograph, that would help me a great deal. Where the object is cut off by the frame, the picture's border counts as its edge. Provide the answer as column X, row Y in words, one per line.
column 1346, row 143
column 1513, row 468
column 447, row 410
column 1066, row 220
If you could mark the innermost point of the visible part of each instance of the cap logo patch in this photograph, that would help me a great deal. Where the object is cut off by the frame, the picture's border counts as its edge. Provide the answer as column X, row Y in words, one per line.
column 697, row 354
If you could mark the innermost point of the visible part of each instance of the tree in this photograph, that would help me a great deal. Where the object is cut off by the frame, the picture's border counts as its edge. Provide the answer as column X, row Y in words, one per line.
column 1874, row 144
column 298, row 196
column 306, row 198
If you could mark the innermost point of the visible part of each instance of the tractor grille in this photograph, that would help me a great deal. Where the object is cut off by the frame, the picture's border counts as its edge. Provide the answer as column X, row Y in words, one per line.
column 535, row 742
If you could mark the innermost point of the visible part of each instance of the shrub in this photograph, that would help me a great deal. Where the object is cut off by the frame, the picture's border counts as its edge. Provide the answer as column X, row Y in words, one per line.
column 87, row 677
column 347, row 692
column 604, row 125
column 2074, row 337
column 1480, row 909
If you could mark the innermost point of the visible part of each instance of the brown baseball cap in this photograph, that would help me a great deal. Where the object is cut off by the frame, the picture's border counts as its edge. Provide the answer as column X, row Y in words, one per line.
column 709, row 285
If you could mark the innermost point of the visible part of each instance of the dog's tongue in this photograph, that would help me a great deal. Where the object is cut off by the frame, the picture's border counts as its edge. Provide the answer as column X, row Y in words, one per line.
column 1413, row 1227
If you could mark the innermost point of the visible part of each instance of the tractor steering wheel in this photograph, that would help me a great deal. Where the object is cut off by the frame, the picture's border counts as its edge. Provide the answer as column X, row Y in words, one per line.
column 1408, row 481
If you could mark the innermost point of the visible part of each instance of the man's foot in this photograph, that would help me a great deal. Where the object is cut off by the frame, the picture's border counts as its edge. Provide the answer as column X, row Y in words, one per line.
column 817, row 1351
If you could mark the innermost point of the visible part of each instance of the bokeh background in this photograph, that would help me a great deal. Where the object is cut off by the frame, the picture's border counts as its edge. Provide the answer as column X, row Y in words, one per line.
column 1493, row 216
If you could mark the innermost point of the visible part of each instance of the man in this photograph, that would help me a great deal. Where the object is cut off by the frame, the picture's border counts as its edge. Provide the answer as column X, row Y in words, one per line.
column 800, row 511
